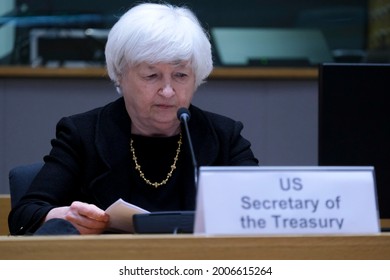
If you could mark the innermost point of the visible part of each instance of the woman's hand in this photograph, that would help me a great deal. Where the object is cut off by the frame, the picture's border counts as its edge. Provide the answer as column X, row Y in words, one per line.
column 87, row 218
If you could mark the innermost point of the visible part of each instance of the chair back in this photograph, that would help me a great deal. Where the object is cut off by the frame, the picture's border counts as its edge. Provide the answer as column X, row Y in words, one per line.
column 20, row 179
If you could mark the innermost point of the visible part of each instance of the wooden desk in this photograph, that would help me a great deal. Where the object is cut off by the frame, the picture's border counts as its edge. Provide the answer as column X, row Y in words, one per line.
column 189, row 247
column 5, row 207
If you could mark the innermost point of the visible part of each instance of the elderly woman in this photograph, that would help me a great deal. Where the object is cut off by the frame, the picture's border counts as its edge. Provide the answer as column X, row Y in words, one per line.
column 134, row 148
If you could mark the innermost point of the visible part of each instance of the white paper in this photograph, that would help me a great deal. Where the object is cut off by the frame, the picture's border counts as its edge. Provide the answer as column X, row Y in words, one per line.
column 121, row 216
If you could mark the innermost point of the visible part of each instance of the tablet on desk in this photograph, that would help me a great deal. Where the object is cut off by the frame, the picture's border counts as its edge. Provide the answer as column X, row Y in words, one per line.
column 164, row 222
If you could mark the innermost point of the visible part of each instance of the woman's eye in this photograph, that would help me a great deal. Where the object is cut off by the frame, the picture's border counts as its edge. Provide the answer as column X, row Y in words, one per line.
column 151, row 76
column 181, row 75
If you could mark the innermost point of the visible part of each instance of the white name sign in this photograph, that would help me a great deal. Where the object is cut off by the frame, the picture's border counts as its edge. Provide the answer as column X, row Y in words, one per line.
column 286, row 200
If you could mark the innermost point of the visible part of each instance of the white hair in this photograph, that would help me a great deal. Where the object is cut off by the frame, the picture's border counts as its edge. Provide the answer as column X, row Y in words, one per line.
column 155, row 33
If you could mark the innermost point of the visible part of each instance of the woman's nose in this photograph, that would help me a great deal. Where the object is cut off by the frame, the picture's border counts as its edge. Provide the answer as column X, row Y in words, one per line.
column 167, row 90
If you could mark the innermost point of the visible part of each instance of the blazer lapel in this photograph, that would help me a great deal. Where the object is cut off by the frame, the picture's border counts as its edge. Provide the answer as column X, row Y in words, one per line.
column 204, row 138
column 112, row 138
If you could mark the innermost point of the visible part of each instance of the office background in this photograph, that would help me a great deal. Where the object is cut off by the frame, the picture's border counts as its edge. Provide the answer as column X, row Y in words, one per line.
column 45, row 32
column 280, row 117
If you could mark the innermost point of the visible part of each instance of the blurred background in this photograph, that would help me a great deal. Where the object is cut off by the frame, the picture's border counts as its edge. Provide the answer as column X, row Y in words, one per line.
column 276, row 33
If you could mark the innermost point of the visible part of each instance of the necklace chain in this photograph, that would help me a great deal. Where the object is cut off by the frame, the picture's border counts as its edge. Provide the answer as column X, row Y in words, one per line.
column 141, row 173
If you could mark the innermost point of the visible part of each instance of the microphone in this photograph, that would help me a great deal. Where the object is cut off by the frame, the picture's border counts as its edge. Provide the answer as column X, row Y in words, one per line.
column 184, row 116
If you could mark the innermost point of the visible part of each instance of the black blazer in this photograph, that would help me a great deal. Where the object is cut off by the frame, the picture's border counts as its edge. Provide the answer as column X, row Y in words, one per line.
column 90, row 157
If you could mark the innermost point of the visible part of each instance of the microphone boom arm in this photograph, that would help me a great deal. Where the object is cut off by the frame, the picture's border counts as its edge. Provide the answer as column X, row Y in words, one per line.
column 184, row 115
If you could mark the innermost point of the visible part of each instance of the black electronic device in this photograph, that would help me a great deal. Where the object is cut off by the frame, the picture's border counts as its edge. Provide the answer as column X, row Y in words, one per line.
column 164, row 222
column 354, row 121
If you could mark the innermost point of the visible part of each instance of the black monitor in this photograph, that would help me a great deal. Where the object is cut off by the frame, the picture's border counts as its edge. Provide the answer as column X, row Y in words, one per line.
column 354, row 121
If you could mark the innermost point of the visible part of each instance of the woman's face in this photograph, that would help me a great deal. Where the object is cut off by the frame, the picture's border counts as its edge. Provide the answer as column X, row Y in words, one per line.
column 154, row 92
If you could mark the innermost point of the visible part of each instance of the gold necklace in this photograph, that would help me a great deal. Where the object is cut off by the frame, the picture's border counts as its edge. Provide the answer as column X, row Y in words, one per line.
column 142, row 175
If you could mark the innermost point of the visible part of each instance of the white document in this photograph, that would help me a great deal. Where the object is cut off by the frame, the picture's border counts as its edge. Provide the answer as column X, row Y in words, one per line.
column 121, row 216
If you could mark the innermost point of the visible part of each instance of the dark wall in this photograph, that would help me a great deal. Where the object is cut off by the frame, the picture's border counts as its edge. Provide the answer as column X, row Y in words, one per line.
column 279, row 116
